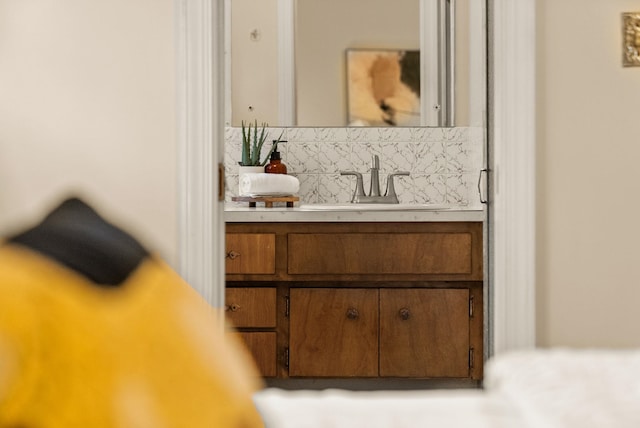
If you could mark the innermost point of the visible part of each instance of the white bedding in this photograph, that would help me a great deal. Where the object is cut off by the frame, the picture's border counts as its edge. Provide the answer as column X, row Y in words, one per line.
column 570, row 388
column 534, row 389
column 337, row 408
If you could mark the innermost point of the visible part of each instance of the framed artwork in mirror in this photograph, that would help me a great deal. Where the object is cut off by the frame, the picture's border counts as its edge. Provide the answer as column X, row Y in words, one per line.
column 383, row 87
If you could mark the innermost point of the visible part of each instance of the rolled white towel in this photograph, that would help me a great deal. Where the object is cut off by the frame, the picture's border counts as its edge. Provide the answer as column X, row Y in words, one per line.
column 263, row 184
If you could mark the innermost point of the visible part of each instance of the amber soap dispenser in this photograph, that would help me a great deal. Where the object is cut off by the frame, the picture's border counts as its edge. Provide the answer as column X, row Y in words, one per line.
column 275, row 165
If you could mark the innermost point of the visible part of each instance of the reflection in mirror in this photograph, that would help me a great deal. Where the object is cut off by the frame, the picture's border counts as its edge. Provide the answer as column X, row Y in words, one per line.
column 287, row 62
column 383, row 87
column 324, row 32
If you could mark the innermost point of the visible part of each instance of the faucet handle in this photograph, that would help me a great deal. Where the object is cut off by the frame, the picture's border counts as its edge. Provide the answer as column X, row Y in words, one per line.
column 391, row 190
column 359, row 191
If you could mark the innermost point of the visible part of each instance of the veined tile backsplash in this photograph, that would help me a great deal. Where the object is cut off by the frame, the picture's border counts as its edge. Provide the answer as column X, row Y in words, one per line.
column 444, row 163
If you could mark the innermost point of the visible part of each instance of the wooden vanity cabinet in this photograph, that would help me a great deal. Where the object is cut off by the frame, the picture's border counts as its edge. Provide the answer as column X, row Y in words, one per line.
column 360, row 300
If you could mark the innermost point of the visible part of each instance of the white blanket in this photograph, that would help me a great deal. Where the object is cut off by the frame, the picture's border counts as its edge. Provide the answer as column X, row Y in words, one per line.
column 533, row 389
column 570, row 388
column 383, row 409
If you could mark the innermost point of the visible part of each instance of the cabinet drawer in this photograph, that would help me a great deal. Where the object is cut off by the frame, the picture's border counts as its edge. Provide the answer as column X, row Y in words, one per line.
column 380, row 253
column 251, row 307
column 262, row 346
column 250, row 253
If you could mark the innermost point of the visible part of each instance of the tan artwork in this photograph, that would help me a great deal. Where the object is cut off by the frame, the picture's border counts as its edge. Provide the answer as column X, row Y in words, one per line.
column 383, row 87
column 631, row 38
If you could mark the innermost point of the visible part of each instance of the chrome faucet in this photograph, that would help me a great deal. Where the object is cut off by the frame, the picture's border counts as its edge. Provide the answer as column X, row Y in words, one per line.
column 374, row 196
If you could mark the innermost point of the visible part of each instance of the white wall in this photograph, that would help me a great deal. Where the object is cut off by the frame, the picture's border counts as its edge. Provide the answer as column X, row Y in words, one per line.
column 588, row 251
column 87, row 105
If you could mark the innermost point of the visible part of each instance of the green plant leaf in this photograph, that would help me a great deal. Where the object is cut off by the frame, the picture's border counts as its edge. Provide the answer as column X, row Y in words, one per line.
column 255, row 153
column 260, row 142
column 273, row 147
column 246, row 137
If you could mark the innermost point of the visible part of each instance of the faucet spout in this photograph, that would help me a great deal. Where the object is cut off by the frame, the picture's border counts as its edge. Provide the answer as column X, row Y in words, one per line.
column 374, row 189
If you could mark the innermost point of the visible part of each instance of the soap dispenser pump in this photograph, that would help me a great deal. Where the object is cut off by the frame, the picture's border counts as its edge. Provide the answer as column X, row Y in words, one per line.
column 275, row 165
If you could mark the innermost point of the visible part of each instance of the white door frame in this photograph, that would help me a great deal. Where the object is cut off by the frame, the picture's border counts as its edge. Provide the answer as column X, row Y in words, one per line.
column 200, row 60
column 512, row 177
column 199, row 27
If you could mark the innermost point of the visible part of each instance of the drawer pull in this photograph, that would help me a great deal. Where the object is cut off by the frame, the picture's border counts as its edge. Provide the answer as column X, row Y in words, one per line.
column 233, row 255
column 404, row 314
column 233, row 307
column 352, row 313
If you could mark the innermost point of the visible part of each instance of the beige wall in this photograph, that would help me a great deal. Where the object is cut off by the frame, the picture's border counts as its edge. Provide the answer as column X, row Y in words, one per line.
column 87, row 105
column 588, row 249
column 254, row 61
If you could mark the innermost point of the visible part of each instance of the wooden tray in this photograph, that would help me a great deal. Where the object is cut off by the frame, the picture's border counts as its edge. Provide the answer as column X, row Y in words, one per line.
column 268, row 200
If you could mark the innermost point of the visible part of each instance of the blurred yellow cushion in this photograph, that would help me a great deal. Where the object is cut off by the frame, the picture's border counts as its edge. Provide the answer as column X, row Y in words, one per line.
column 148, row 353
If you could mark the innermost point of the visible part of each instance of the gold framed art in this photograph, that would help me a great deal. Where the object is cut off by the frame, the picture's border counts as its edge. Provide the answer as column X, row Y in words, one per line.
column 631, row 39
column 383, row 87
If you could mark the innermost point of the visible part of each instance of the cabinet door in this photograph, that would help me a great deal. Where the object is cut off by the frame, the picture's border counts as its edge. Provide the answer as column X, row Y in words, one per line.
column 424, row 332
column 250, row 253
column 333, row 332
column 262, row 346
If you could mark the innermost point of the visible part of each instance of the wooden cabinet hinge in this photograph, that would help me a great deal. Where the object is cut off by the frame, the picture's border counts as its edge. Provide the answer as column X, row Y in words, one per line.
column 470, row 358
column 286, row 357
column 287, row 306
column 471, row 307
column 221, row 181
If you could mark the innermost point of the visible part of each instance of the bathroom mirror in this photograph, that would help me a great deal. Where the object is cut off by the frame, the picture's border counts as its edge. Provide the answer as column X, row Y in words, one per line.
column 292, row 63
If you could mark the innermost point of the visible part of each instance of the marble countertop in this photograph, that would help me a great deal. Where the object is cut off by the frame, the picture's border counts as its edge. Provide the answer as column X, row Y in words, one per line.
column 241, row 213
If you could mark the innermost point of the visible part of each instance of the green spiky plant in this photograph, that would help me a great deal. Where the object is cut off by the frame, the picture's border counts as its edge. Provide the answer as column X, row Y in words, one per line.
column 252, row 142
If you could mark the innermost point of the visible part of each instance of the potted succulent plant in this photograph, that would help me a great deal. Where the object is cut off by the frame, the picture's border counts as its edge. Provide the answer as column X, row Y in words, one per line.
column 252, row 142
column 253, row 139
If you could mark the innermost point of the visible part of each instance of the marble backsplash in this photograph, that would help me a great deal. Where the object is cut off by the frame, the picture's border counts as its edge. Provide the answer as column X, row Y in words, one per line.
column 444, row 163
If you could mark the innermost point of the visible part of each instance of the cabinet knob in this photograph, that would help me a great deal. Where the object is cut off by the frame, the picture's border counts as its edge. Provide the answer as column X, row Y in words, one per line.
column 404, row 314
column 233, row 255
column 352, row 313
column 232, row 307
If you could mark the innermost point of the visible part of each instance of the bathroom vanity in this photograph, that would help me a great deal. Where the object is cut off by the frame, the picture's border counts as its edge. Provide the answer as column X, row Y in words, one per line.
column 357, row 294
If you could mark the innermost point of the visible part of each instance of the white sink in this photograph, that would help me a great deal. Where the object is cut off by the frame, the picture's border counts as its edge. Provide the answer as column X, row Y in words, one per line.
column 371, row 207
